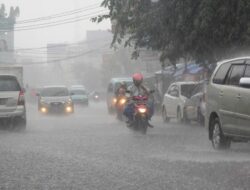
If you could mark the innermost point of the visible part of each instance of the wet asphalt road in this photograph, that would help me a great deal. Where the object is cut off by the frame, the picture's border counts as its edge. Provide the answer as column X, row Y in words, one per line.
column 91, row 150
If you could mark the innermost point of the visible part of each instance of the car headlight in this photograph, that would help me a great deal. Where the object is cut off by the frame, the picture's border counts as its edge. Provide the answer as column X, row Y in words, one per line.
column 114, row 100
column 69, row 109
column 122, row 101
column 43, row 110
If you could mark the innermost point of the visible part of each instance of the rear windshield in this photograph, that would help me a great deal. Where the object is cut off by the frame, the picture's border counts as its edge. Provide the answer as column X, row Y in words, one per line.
column 187, row 90
column 9, row 83
column 54, row 91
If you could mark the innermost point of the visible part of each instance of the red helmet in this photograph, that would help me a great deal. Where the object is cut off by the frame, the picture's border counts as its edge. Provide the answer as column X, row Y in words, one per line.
column 137, row 78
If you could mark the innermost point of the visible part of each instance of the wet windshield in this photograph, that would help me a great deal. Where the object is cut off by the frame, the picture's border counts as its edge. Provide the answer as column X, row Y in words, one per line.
column 78, row 92
column 54, row 91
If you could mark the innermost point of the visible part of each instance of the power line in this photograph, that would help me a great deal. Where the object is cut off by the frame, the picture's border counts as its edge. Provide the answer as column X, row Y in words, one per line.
column 58, row 45
column 62, row 20
column 59, row 60
column 66, row 13
column 50, row 25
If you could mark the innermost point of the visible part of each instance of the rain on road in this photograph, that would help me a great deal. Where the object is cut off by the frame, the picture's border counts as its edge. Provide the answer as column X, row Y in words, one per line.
column 92, row 150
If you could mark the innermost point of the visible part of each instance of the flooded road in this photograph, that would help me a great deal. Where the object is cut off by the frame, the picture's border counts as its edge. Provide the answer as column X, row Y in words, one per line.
column 92, row 150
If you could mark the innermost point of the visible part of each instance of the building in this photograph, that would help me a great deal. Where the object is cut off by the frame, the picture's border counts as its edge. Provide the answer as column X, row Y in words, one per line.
column 7, row 23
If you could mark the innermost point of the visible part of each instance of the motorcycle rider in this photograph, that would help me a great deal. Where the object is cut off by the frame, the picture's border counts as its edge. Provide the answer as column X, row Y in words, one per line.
column 136, row 89
column 121, row 91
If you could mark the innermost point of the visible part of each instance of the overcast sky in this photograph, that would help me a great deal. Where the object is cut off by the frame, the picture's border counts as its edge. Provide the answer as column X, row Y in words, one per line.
column 64, row 33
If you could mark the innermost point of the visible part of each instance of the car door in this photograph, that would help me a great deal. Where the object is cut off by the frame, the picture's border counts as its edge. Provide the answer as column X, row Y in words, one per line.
column 243, row 106
column 174, row 97
column 230, row 100
column 169, row 99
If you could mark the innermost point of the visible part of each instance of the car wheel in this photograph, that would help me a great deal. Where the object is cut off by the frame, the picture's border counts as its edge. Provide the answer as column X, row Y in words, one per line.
column 165, row 118
column 219, row 141
column 179, row 117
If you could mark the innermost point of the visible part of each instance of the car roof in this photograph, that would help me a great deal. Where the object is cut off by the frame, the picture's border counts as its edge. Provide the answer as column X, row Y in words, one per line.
column 125, row 79
column 234, row 59
column 77, row 86
column 55, row 86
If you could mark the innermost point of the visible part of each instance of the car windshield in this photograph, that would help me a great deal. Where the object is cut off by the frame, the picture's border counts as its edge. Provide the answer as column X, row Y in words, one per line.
column 128, row 83
column 187, row 89
column 54, row 91
column 9, row 83
column 78, row 92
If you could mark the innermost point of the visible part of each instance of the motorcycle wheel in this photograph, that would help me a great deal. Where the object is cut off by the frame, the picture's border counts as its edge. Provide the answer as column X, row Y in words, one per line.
column 142, row 126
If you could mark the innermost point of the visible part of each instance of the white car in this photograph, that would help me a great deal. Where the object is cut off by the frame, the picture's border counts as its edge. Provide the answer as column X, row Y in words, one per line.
column 174, row 100
column 12, row 103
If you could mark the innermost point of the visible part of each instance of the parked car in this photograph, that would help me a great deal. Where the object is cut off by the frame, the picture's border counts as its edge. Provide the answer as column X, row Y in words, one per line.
column 195, row 106
column 55, row 99
column 228, row 103
column 79, row 95
column 113, row 85
column 174, row 100
column 12, row 103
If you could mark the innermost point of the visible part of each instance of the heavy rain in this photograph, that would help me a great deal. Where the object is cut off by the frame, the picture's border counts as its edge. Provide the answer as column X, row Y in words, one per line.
column 123, row 94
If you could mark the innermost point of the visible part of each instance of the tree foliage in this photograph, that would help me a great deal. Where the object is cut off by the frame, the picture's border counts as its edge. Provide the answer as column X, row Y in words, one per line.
column 202, row 30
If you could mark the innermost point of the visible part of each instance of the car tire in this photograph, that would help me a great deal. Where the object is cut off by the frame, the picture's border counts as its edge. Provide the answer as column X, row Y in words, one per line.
column 165, row 118
column 219, row 141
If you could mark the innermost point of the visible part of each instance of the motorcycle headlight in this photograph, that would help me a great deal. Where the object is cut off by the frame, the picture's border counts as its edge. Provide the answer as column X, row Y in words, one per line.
column 114, row 100
column 142, row 110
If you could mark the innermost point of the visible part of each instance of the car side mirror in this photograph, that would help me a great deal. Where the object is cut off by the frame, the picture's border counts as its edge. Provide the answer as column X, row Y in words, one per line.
column 245, row 82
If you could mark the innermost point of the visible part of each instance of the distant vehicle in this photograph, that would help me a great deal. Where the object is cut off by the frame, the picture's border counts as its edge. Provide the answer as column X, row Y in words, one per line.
column 195, row 106
column 113, row 85
column 55, row 99
column 79, row 95
column 228, row 103
column 12, row 102
column 95, row 96
column 174, row 100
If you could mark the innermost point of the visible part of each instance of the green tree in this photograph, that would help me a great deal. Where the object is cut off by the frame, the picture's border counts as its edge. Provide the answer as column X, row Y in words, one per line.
column 204, row 30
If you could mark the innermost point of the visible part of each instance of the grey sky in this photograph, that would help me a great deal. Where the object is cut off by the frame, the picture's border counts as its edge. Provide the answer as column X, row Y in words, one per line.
column 64, row 33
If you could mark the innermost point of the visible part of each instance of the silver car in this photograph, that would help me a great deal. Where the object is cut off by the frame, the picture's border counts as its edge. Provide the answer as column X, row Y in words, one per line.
column 12, row 103
column 55, row 99
column 228, row 103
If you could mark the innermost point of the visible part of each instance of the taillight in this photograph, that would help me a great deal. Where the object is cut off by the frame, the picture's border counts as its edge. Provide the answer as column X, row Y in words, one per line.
column 21, row 100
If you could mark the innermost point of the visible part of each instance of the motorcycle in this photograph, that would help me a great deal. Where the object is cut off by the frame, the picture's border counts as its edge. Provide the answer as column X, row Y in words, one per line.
column 120, row 105
column 140, row 121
